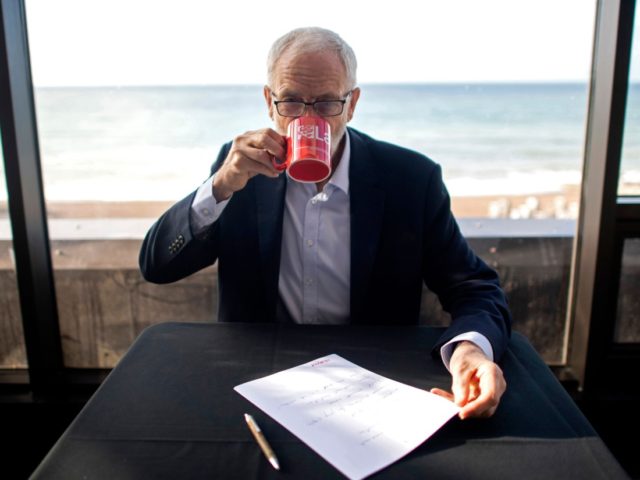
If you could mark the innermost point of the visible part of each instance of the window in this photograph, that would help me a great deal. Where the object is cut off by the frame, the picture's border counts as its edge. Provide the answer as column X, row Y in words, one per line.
column 629, row 181
column 627, row 327
column 130, row 119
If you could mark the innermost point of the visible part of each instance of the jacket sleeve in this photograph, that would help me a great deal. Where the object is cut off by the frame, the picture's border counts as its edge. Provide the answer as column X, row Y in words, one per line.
column 170, row 251
column 466, row 286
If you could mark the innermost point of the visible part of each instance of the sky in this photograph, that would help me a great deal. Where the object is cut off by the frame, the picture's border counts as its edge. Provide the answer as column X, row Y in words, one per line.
column 165, row 42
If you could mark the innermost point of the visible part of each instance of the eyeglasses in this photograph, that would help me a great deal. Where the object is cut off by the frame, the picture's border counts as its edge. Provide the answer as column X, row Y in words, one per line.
column 324, row 108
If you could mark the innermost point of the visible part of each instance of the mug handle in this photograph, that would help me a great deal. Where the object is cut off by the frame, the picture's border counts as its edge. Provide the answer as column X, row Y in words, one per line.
column 280, row 166
column 284, row 164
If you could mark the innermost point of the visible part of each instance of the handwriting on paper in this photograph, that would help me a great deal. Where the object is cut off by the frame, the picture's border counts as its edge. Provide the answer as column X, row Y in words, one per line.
column 357, row 420
column 348, row 395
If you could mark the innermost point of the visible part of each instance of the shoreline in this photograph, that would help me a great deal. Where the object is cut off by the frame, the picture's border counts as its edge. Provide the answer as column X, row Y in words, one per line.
column 563, row 204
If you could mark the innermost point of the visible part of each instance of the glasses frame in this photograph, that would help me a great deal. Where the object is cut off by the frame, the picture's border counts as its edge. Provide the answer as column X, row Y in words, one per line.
column 342, row 101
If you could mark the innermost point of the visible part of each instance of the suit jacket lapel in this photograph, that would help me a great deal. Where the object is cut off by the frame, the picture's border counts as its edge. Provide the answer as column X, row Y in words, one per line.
column 367, row 207
column 270, row 195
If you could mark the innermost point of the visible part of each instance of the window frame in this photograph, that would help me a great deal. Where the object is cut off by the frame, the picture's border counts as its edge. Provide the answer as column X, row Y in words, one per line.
column 593, row 357
column 26, row 206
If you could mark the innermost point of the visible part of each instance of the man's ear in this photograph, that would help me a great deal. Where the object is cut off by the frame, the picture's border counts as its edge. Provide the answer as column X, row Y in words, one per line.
column 353, row 100
column 267, row 96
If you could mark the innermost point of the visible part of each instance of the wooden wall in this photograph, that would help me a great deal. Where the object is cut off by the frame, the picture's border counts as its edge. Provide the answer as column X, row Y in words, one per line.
column 104, row 303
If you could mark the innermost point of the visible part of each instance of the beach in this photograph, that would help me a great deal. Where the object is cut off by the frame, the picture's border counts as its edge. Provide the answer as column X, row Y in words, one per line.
column 562, row 204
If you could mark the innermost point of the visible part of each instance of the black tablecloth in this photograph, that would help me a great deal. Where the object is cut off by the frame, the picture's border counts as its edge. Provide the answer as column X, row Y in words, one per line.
column 168, row 410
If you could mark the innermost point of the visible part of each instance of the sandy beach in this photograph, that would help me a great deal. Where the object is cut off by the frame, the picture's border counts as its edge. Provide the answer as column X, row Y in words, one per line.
column 563, row 204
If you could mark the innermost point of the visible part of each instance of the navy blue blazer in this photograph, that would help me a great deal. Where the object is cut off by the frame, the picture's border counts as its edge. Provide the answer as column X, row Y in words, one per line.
column 402, row 234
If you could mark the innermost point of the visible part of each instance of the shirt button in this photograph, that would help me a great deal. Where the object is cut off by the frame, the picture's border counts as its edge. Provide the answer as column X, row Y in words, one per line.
column 206, row 211
column 314, row 201
column 308, row 281
column 309, row 243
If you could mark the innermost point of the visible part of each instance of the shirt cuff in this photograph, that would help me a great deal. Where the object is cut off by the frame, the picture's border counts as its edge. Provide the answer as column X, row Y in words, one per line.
column 446, row 351
column 205, row 210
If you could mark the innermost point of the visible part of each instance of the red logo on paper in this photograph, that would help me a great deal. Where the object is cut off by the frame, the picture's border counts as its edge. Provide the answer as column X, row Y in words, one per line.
column 320, row 362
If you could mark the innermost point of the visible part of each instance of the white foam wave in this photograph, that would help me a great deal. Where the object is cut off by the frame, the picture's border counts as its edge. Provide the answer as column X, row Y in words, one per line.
column 631, row 177
column 513, row 183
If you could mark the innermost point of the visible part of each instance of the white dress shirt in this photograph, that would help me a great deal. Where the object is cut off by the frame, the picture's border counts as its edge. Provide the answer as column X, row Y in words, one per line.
column 315, row 267
column 315, row 260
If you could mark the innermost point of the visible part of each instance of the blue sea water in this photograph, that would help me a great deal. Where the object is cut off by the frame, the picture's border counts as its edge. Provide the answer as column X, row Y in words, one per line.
column 157, row 143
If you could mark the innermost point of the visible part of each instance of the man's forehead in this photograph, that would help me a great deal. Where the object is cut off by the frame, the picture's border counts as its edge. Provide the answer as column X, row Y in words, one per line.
column 292, row 85
column 308, row 80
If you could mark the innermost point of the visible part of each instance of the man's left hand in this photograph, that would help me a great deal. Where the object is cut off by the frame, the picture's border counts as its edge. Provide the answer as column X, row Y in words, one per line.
column 477, row 382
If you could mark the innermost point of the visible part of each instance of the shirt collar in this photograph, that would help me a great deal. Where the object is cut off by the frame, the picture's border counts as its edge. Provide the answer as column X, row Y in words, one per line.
column 340, row 177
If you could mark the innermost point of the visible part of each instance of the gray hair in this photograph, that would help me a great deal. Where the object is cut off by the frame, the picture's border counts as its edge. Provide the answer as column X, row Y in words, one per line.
column 311, row 40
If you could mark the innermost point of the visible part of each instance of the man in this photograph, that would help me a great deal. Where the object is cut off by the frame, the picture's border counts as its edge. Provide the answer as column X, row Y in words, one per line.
column 354, row 248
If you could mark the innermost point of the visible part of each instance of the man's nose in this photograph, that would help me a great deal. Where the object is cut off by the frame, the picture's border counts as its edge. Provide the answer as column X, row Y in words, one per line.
column 309, row 111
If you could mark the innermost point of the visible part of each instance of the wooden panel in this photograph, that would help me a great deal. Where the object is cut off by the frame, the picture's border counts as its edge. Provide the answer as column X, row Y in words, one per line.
column 104, row 303
column 12, row 348
column 102, row 311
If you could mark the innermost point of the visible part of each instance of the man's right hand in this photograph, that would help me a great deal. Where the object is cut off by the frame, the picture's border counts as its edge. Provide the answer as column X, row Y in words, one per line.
column 250, row 155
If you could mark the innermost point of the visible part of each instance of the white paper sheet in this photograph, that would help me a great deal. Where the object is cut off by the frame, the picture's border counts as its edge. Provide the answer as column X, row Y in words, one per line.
column 358, row 421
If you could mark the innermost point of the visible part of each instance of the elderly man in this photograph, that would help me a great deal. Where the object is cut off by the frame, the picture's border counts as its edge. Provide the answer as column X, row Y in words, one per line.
column 355, row 248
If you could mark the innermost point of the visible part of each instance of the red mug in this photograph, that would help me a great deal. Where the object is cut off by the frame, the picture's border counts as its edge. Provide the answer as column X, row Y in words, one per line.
column 308, row 150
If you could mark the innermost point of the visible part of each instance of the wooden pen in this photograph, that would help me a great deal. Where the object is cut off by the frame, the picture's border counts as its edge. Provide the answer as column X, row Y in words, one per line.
column 264, row 445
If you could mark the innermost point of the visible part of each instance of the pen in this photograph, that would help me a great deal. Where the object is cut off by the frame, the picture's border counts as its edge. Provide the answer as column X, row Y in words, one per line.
column 264, row 445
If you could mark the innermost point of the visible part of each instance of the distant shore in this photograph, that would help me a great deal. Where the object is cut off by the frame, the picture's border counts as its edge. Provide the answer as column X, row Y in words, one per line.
column 563, row 204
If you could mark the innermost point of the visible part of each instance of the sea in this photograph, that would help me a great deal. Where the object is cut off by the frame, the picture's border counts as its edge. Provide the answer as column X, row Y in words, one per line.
column 158, row 142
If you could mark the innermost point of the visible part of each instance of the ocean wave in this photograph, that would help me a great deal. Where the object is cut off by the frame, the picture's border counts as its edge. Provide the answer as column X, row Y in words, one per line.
column 514, row 183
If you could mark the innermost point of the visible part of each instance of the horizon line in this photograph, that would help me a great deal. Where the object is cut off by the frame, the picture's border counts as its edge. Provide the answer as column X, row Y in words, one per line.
column 370, row 83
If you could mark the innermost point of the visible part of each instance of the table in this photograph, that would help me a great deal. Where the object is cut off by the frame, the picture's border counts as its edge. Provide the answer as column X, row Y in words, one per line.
column 168, row 410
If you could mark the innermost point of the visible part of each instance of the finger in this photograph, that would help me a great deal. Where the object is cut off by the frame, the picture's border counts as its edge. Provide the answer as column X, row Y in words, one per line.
column 483, row 406
column 247, row 160
column 442, row 393
column 270, row 141
column 474, row 389
column 476, row 410
column 262, row 148
column 266, row 139
column 489, row 387
column 460, row 387
column 263, row 157
column 259, row 162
